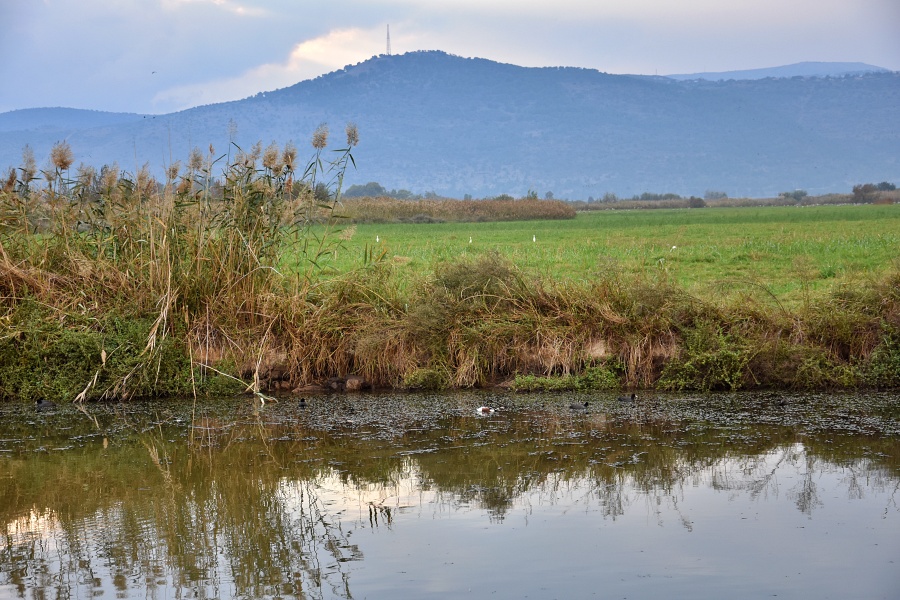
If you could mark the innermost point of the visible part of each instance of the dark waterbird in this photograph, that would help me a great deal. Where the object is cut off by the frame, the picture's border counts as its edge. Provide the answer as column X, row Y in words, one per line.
column 576, row 406
column 44, row 404
column 302, row 403
column 631, row 398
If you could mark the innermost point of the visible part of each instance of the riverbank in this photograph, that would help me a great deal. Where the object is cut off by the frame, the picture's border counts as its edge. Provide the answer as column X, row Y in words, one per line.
column 471, row 323
column 131, row 288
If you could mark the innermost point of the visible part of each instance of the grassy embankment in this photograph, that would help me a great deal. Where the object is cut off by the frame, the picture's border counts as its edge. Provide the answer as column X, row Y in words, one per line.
column 121, row 287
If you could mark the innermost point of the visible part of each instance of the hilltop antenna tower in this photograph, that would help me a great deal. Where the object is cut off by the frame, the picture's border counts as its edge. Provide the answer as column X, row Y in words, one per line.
column 388, row 40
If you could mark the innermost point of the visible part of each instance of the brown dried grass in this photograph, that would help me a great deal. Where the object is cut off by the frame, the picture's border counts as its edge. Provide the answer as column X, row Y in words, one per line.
column 390, row 210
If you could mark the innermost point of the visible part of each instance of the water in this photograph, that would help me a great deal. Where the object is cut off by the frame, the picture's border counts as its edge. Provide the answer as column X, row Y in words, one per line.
column 412, row 496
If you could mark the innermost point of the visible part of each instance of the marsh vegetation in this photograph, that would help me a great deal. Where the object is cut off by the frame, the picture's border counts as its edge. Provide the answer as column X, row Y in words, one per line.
column 117, row 286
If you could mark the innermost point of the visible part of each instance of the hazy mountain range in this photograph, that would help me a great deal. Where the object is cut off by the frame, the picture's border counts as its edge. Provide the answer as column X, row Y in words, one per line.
column 803, row 69
column 430, row 121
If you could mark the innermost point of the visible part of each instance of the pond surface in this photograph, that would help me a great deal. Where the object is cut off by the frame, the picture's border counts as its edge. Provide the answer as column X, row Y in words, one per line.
column 417, row 496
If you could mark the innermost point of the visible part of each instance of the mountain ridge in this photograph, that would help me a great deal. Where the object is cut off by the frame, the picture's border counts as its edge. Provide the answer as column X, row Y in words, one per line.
column 431, row 121
column 801, row 69
column 58, row 116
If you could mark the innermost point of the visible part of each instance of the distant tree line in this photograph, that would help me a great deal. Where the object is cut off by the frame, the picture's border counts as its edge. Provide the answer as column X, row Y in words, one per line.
column 691, row 202
column 796, row 195
column 862, row 193
column 373, row 189
column 645, row 197
column 869, row 192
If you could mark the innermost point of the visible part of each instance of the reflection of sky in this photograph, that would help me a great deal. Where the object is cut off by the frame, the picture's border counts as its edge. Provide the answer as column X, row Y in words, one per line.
column 753, row 527
column 34, row 525
column 781, row 523
column 41, row 536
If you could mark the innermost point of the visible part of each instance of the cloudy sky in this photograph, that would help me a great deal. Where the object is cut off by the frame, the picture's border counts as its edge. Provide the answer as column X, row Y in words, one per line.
column 158, row 56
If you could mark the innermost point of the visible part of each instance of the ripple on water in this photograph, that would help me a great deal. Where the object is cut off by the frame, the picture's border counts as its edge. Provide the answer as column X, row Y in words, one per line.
column 402, row 494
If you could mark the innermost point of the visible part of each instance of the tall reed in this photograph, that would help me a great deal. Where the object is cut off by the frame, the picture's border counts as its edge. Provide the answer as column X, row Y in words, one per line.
column 196, row 258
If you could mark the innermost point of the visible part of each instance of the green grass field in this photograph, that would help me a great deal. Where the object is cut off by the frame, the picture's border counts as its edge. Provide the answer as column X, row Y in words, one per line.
column 787, row 250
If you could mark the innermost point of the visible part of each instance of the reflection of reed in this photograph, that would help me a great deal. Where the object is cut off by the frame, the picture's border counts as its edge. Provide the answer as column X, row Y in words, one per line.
column 379, row 515
column 758, row 476
column 254, row 506
column 806, row 493
column 197, row 525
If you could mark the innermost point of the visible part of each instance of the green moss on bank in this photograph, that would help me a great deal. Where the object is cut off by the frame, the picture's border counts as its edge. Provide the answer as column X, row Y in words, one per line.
column 63, row 357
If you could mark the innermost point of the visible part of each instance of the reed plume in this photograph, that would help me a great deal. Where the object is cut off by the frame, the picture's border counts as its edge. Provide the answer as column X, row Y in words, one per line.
column 61, row 156
column 320, row 137
column 352, row 134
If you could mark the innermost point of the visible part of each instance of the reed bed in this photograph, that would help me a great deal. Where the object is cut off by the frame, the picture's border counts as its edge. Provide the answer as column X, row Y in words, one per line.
column 390, row 210
column 116, row 286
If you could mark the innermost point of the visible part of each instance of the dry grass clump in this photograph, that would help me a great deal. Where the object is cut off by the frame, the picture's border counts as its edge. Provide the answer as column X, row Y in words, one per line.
column 479, row 321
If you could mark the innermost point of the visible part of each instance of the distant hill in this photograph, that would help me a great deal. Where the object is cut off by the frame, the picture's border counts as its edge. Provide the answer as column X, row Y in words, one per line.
column 802, row 69
column 430, row 121
column 61, row 119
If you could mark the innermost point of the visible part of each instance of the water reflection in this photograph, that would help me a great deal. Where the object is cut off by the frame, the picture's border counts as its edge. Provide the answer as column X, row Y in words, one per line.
column 416, row 496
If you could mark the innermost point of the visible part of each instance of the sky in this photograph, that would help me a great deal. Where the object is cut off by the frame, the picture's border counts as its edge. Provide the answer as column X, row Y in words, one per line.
column 161, row 56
